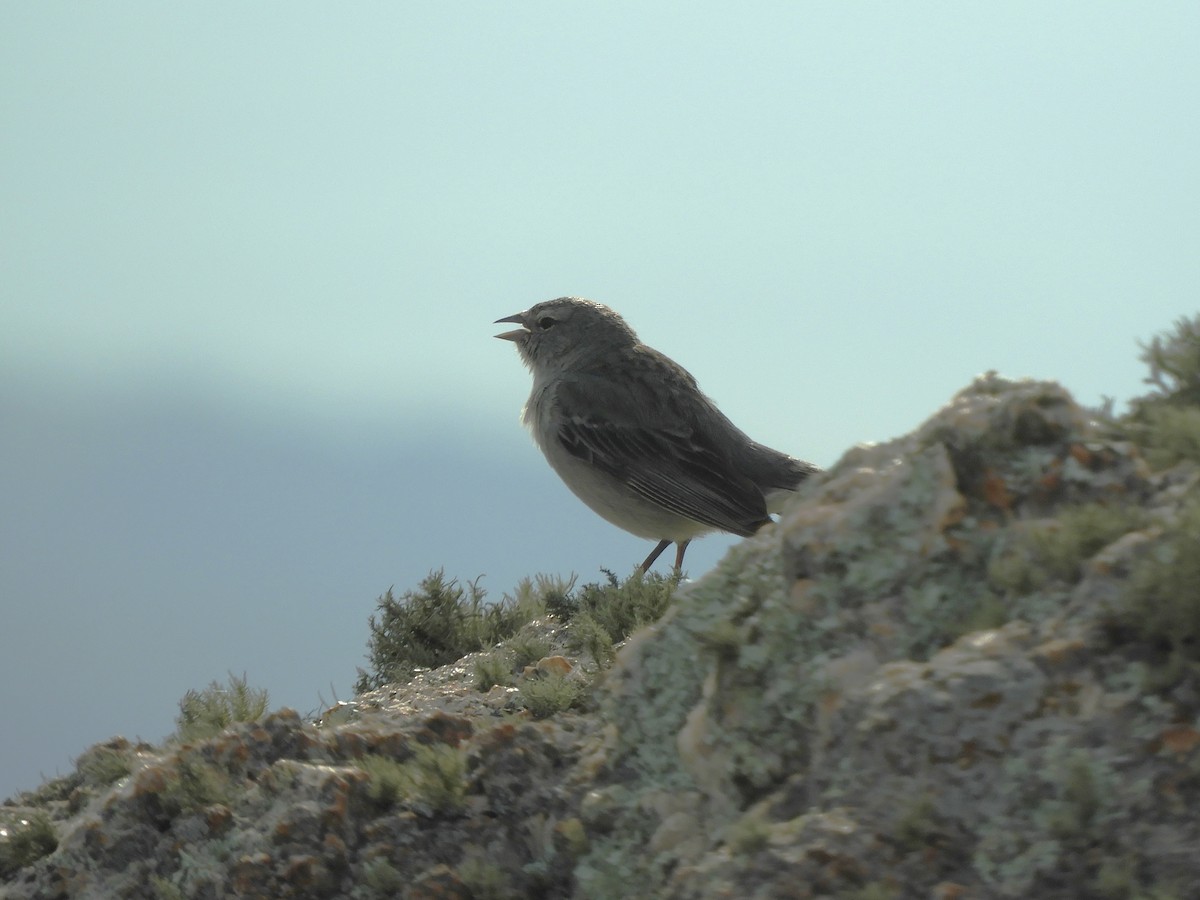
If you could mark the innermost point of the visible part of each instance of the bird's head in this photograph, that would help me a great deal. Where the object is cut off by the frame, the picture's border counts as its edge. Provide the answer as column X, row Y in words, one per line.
column 566, row 331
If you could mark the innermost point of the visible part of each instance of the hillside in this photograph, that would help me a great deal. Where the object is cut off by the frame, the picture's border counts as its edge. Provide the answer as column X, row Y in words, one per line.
column 962, row 665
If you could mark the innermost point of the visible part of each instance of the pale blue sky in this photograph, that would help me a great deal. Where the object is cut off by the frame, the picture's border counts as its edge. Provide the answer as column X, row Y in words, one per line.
column 250, row 256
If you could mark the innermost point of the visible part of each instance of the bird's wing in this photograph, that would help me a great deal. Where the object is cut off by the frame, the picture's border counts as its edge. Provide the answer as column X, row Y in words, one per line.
column 660, row 449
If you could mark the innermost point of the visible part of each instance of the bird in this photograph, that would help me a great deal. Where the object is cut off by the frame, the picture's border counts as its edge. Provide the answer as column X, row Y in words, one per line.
column 631, row 434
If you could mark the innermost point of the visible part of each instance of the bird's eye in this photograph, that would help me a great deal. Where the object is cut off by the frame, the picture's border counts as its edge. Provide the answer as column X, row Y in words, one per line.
column 545, row 322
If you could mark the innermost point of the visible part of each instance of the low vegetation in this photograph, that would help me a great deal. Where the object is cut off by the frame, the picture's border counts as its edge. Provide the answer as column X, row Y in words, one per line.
column 203, row 714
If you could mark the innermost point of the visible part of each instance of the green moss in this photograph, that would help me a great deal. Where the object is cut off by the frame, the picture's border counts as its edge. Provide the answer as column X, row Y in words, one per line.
column 203, row 714
column 439, row 777
column 571, row 838
column 1061, row 806
column 383, row 878
column 433, row 779
column 165, row 889
column 388, row 782
column 876, row 890
column 485, row 880
column 939, row 611
column 748, row 835
column 724, row 639
column 194, row 785
column 1081, row 794
column 917, row 824
column 27, row 841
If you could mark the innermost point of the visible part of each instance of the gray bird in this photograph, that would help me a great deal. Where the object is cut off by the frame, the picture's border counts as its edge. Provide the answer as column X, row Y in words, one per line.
column 630, row 433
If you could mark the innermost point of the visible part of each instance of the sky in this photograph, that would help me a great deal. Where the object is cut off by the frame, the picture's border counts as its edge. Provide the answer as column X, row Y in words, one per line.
column 250, row 258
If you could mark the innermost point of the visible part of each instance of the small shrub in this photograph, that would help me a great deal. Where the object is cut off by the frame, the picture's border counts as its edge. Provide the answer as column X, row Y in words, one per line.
column 27, row 842
column 439, row 623
column 195, row 785
column 593, row 638
column 165, row 889
column 53, row 790
column 433, row 778
column 203, row 714
column 550, row 694
column 388, row 781
column 618, row 608
column 495, row 668
column 1166, row 422
column 1055, row 551
column 916, row 826
column 102, row 766
column 1081, row 533
column 1174, row 361
column 876, row 890
column 527, row 648
column 384, row 879
column 1161, row 605
column 485, row 880
column 749, row 835
column 540, row 595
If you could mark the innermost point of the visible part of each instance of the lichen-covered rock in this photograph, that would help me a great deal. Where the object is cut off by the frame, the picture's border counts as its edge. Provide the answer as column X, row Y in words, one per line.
column 964, row 664
column 910, row 685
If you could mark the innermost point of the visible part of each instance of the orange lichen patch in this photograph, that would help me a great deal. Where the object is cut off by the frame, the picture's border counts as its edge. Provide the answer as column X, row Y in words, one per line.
column 1059, row 652
column 219, row 817
column 335, row 847
column 1180, row 739
column 948, row 890
column 829, row 702
column 988, row 701
column 94, row 836
column 497, row 738
column 1051, row 481
column 232, row 750
column 444, row 728
column 150, row 780
column 439, row 883
column 996, row 492
column 554, row 665
column 250, row 872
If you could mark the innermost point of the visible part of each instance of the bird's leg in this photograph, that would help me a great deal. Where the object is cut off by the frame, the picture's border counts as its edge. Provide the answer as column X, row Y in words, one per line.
column 680, row 547
column 654, row 554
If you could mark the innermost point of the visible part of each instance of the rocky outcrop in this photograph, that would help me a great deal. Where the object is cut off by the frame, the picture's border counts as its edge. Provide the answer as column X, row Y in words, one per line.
column 962, row 665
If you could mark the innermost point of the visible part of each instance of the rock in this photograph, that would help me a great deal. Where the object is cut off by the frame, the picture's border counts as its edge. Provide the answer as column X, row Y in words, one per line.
column 929, row 679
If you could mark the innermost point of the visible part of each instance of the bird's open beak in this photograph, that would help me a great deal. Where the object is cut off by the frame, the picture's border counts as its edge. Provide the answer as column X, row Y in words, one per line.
column 519, row 318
